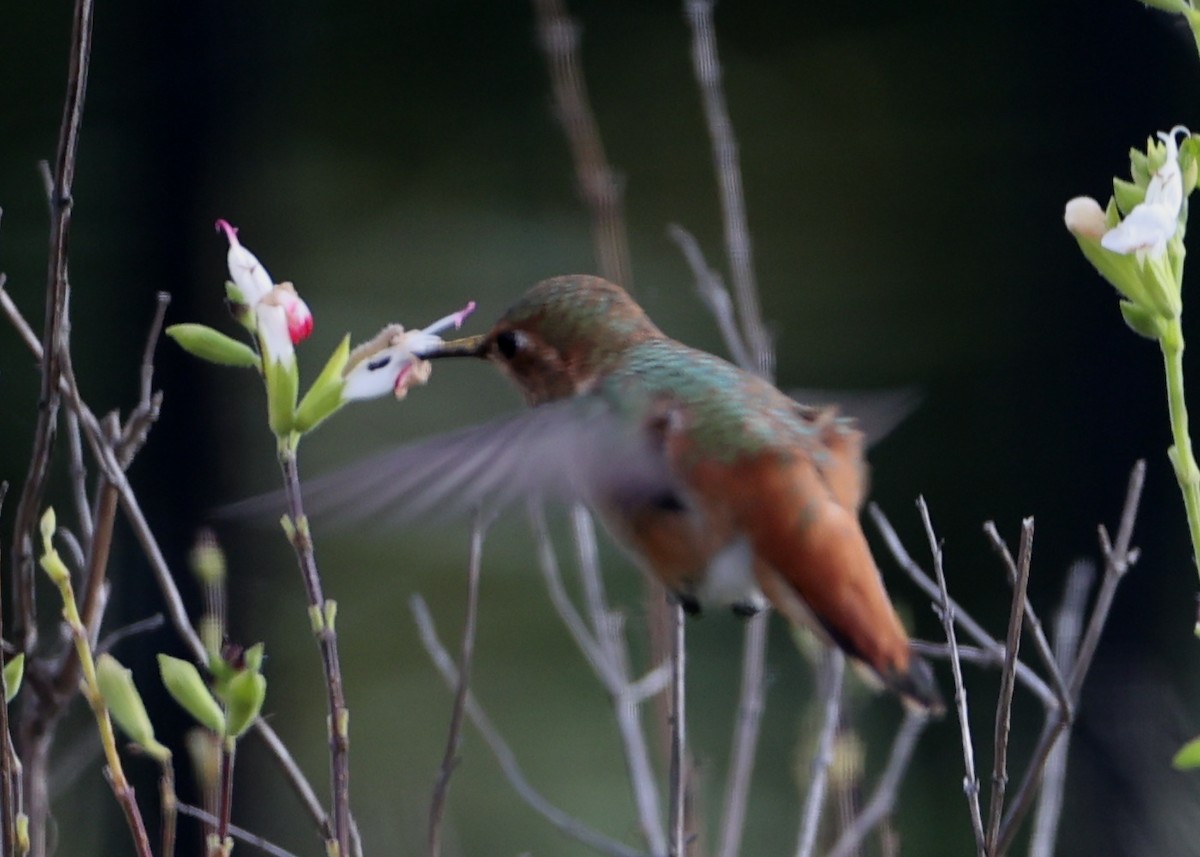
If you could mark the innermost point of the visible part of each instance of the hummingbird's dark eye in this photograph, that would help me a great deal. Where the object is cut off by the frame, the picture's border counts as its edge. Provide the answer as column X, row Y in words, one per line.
column 509, row 342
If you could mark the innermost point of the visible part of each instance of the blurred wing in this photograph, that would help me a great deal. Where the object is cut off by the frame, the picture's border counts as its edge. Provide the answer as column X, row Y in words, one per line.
column 876, row 413
column 573, row 450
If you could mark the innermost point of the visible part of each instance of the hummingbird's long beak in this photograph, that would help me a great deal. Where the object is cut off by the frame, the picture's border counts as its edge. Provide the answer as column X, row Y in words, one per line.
column 468, row 346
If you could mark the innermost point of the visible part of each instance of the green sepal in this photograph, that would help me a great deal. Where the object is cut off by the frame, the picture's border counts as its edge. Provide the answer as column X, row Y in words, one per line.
column 239, row 307
column 1188, row 756
column 1139, row 168
column 245, row 695
column 1142, row 320
column 14, row 671
column 126, row 706
column 1178, row 7
column 324, row 397
column 50, row 561
column 202, row 341
column 253, row 657
column 1127, row 195
column 1121, row 271
column 1160, row 287
column 182, row 680
column 283, row 385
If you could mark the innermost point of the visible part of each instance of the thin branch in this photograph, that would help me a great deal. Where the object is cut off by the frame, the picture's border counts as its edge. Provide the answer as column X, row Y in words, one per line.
column 974, row 630
column 832, row 674
column 142, row 626
column 607, row 629
column 884, row 797
column 441, row 788
column 567, row 824
column 322, row 614
column 751, row 701
column 1067, row 629
column 54, row 331
column 1033, row 623
column 1118, row 558
column 236, row 832
column 679, row 785
column 9, row 789
column 713, row 293
column 599, row 185
column 707, row 69
column 1012, row 646
column 970, row 779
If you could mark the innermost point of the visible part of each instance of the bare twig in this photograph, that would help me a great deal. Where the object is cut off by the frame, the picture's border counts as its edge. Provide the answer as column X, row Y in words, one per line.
column 970, row 779
column 831, row 693
column 236, row 832
column 441, row 789
column 714, row 294
column 599, row 185
column 707, row 69
column 678, row 792
column 1032, row 622
column 1067, row 628
column 974, row 630
column 745, row 734
column 884, row 796
column 323, row 614
column 606, row 626
column 1119, row 556
column 141, row 626
column 567, row 824
column 54, row 331
column 1008, row 674
column 9, row 789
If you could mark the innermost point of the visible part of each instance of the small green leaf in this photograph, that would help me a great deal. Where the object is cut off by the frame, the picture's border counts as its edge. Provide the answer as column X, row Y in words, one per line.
column 1188, row 756
column 14, row 671
column 126, row 706
column 202, row 341
column 1142, row 321
column 183, row 682
column 246, row 693
column 1176, row 6
column 324, row 397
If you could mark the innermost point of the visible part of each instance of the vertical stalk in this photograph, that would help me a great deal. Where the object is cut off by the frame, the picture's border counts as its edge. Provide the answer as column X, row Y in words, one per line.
column 1181, row 454
column 322, row 613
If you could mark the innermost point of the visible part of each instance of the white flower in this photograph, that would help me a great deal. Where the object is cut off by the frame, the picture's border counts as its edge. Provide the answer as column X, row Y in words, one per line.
column 389, row 362
column 1152, row 222
column 245, row 270
column 299, row 317
column 272, row 323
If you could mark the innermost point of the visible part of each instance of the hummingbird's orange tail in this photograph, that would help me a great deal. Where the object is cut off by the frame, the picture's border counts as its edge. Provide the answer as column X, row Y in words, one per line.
column 815, row 566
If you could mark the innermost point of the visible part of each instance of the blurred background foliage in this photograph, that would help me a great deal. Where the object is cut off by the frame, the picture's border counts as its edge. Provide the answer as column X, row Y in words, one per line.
column 906, row 165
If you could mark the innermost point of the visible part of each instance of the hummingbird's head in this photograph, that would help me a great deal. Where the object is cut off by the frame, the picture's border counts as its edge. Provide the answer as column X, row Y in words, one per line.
column 560, row 336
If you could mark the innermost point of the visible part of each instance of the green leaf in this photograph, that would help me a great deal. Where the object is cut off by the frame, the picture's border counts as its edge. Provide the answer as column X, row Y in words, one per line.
column 324, row 397
column 183, row 682
column 1188, row 756
column 126, row 706
column 202, row 341
column 14, row 671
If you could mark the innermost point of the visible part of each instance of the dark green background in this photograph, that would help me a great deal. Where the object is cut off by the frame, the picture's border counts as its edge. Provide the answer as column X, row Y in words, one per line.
column 905, row 170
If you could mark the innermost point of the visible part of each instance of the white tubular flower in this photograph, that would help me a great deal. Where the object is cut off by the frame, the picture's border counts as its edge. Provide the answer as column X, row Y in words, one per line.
column 245, row 270
column 1152, row 222
column 273, row 336
column 388, row 363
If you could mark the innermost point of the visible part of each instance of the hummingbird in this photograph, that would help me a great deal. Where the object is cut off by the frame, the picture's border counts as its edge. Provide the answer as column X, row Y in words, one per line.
column 729, row 491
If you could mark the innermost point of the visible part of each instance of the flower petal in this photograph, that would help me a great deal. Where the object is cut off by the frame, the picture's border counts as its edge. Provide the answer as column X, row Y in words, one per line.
column 1147, row 229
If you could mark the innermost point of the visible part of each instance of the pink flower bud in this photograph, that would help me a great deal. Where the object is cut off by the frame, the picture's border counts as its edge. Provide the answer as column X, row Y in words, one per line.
column 299, row 317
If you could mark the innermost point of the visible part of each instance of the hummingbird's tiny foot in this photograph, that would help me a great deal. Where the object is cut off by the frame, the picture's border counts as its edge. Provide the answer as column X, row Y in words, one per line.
column 746, row 609
column 689, row 603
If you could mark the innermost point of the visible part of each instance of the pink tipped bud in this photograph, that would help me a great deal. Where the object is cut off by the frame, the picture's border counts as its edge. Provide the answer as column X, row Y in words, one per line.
column 299, row 317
